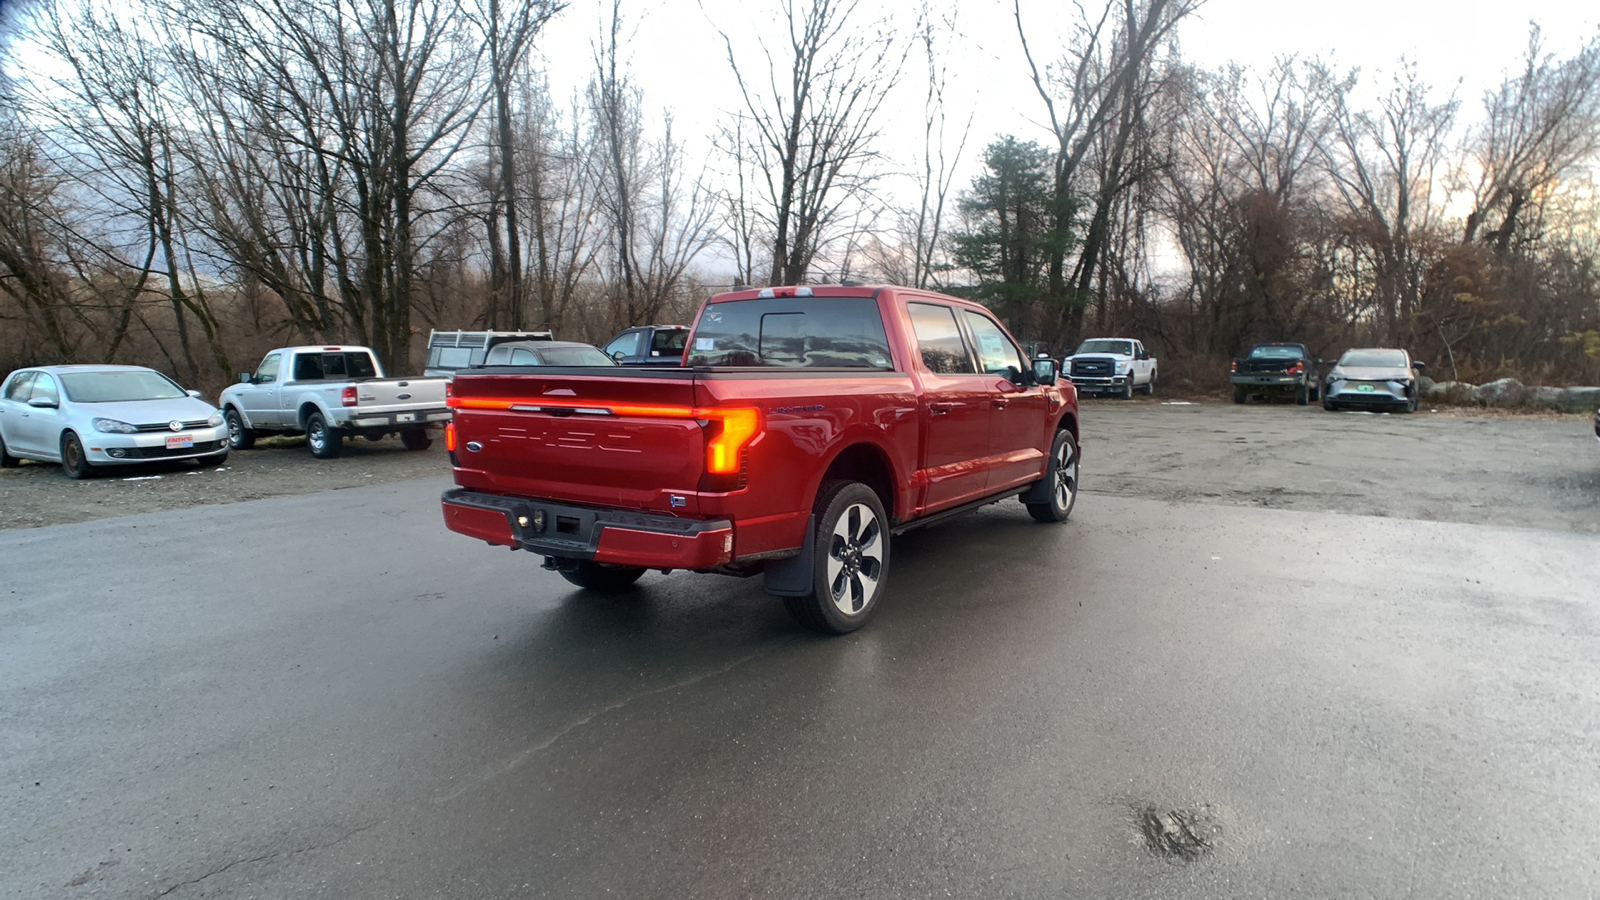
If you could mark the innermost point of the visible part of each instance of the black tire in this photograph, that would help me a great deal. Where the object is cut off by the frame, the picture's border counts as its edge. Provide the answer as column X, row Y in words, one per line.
column 1302, row 395
column 239, row 437
column 1329, row 405
column 1127, row 388
column 602, row 577
column 1411, row 405
column 74, row 461
column 1316, row 392
column 7, row 461
column 850, row 567
column 213, row 462
column 1239, row 394
column 324, row 442
column 1063, row 479
column 1150, row 387
column 415, row 438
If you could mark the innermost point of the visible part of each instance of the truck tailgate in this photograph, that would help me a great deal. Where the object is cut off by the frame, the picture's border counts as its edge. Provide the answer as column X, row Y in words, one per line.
column 383, row 395
column 620, row 438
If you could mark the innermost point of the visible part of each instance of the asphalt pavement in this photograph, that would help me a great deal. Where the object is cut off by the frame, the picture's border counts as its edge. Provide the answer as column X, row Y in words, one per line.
column 330, row 695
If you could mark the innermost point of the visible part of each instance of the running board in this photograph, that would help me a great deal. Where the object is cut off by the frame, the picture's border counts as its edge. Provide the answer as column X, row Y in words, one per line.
column 961, row 510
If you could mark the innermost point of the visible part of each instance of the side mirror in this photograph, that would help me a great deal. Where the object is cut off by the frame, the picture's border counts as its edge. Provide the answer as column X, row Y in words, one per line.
column 44, row 403
column 1419, row 365
column 617, row 356
column 1322, row 362
column 1044, row 371
column 194, row 394
column 246, row 378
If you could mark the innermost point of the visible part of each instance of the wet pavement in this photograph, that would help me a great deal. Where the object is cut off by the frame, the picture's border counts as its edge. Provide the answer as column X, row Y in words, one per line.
column 331, row 696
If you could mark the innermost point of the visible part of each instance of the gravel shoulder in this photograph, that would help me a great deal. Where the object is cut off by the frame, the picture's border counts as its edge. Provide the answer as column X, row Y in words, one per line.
column 1539, row 471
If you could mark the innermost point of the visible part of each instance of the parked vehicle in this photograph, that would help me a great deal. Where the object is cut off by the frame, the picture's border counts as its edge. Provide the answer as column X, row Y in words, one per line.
column 1377, row 377
column 810, row 425
column 546, row 353
column 327, row 393
column 449, row 351
column 1111, row 366
column 1276, row 368
column 89, row 417
column 649, row 345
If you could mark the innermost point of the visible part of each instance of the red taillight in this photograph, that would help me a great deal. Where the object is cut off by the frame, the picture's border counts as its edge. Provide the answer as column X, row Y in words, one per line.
column 449, row 390
column 450, row 437
column 1297, row 368
column 1233, row 367
column 348, row 396
column 739, row 427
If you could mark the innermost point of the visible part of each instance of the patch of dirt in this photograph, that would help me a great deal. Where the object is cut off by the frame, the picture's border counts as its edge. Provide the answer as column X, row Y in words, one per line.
column 1182, row 834
column 33, row 495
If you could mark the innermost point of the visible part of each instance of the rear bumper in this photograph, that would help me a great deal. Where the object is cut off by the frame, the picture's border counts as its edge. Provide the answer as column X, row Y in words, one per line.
column 403, row 419
column 619, row 537
column 1268, row 380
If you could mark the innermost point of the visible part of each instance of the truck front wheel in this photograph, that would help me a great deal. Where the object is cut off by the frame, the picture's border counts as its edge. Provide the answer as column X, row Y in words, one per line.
column 323, row 441
column 850, row 567
column 600, row 576
column 239, row 437
column 1062, row 479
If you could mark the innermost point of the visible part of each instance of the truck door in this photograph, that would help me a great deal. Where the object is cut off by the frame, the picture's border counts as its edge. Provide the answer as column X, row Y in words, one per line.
column 956, row 410
column 1019, row 433
column 260, row 397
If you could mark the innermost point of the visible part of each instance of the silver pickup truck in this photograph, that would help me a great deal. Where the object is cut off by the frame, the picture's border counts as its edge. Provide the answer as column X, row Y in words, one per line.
column 327, row 393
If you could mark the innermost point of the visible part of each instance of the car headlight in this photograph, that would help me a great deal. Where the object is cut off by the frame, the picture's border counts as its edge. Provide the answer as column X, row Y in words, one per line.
column 215, row 420
column 112, row 426
column 1123, row 367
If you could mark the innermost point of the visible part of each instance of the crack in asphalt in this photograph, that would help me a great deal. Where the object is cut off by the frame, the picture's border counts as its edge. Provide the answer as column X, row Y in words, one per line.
column 530, row 752
column 265, row 857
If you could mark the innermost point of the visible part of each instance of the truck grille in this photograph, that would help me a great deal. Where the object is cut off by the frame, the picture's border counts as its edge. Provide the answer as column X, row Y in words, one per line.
column 1092, row 368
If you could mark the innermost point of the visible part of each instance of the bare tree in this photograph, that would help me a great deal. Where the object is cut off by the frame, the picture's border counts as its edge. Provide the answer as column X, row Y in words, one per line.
column 1540, row 127
column 807, row 133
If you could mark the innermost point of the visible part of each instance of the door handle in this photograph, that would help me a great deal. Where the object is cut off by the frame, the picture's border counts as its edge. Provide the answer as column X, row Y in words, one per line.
column 939, row 409
column 999, row 403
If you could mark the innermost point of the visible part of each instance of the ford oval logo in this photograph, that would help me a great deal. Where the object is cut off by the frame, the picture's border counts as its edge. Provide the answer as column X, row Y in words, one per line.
column 474, row 446
column 402, row 396
column 175, row 425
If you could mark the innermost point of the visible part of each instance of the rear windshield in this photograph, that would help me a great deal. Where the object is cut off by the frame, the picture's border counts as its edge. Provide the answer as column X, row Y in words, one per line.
column 1276, row 353
column 669, row 343
column 788, row 332
column 117, row 387
column 574, row 356
column 337, row 365
column 1122, row 348
column 1377, row 359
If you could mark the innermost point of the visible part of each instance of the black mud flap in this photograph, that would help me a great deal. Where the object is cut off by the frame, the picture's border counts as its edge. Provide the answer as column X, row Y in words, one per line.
column 792, row 577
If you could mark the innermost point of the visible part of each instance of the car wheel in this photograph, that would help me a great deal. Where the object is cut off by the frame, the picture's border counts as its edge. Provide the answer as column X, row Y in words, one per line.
column 1150, row 386
column 1411, row 405
column 1329, row 405
column 1063, row 480
column 7, row 461
column 850, row 565
column 239, row 437
column 1239, row 395
column 1127, row 388
column 324, row 441
column 73, row 460
column 601, row 576
column 213, row 461
column 416, row 438
column 1302, row 394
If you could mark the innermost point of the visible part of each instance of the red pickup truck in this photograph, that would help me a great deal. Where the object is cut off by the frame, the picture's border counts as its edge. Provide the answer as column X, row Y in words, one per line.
column 806, row 427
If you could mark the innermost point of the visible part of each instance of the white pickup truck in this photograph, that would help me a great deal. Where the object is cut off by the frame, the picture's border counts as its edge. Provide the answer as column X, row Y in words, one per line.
column 327, row 393
column 1111, row 366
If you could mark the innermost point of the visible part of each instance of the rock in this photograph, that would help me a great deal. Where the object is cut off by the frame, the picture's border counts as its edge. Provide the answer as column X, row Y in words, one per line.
column 1543, row 398
column 1580, row 399
column 1503, row 393
column 1450, row 392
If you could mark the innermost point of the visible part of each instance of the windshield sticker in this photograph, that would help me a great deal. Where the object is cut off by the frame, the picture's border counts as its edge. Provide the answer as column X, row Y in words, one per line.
column 705, row 344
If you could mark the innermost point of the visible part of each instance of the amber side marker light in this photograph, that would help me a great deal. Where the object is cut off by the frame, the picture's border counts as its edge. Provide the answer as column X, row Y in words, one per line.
column 450, row 437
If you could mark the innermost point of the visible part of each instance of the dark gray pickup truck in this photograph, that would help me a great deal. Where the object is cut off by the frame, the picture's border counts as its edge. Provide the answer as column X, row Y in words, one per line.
column 1276, row 368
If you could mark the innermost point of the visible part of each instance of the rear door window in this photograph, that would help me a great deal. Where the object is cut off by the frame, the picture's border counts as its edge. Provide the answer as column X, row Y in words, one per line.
column 793, row 332
column 626, row 343
column 944, row 351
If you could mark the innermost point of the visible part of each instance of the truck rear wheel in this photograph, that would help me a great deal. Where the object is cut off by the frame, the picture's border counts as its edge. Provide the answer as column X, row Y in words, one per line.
column 1239, row 394
column 1302, row 394
column 415, row 438
column 850, row 567
column 601, row 576
column 323, row 441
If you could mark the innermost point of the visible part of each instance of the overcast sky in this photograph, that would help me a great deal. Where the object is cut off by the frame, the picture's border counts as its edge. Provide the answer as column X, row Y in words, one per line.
column 680, row 62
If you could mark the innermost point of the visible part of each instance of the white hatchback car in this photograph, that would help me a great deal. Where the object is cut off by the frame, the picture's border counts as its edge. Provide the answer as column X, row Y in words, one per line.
column 85, row 417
